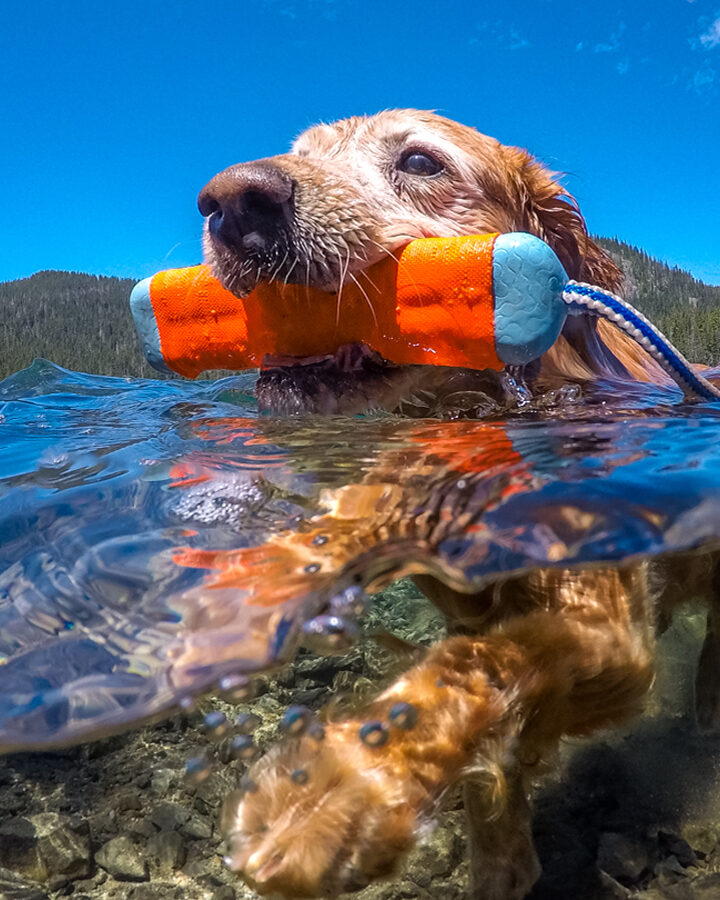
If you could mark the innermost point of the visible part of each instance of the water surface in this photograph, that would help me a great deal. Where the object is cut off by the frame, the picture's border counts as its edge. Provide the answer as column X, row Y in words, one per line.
column 157, row 537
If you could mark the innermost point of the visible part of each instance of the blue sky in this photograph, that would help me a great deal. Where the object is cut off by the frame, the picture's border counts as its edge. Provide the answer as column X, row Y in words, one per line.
column 113, row 115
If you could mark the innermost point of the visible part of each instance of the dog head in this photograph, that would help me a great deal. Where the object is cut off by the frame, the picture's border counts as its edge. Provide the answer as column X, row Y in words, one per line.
column 349, row 194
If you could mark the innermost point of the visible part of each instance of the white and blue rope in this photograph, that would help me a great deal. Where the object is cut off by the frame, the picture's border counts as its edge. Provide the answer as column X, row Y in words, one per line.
column 586, row 298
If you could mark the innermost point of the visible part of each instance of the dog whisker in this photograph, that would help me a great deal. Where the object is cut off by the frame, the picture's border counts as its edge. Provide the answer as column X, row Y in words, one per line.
column 365, row 295
column 343, row 273
column 274, row 273
column 365, row 275
column 290, row 270
column 396, row 258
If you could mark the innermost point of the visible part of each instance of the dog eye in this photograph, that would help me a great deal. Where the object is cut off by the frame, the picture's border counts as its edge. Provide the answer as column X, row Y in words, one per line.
column 417, row 163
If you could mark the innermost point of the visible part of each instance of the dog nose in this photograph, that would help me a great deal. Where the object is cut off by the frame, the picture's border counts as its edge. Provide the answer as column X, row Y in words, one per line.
column 247, row 205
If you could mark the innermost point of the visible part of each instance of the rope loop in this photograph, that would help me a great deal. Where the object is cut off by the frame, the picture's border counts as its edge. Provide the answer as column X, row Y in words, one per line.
column 589, row 299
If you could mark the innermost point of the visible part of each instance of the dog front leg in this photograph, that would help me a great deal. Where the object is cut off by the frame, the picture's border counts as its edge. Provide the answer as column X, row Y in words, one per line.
column 503, row 861
column 707, row 679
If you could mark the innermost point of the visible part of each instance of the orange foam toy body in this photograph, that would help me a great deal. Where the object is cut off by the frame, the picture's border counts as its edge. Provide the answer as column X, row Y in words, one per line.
column 470, row 301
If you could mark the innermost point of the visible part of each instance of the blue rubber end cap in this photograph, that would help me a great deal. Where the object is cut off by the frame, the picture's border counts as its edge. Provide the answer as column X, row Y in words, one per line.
column 146, row 325
column 528, row 282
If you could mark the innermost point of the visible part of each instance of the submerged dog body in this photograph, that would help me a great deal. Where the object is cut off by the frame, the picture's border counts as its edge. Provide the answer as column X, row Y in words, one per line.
column 535, row 658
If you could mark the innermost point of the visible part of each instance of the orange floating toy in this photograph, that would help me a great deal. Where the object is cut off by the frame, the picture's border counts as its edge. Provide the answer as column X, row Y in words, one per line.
column 479, row 301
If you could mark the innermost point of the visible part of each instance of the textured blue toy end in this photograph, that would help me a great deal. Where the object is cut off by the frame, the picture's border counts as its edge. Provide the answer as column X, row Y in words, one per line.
column 528, row 281
column 146, row 325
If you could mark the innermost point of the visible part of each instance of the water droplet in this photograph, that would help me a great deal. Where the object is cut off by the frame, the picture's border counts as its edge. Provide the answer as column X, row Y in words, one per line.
column 243, row 747
column 215, row 725
column 320, row 539
column 300, row 776
column 329, row 634
column 197, row 770
column 403, row 715
column 296, row 720
column 246, row 723
column 186, row 704
column 312, row 568
column 237, row 688
column 374, row 734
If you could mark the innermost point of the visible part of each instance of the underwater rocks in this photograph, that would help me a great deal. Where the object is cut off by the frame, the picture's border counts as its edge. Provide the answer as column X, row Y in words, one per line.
column 622, row 857
column 46, row 847
column 116, row 820
column 123, row 860
column 13, row 887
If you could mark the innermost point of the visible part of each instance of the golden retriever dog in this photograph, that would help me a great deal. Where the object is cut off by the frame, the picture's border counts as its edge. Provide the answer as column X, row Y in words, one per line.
column 557, row 652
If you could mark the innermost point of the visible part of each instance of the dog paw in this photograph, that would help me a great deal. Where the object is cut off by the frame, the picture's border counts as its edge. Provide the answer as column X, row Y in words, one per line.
column 512, row 879
column 317, row 818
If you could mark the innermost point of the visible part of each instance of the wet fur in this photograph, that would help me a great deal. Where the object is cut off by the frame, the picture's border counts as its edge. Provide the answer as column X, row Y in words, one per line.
column 556, row 652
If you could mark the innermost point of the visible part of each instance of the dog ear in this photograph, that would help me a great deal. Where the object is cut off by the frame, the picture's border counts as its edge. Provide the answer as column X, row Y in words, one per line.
column 587, row 349
column 552, row 213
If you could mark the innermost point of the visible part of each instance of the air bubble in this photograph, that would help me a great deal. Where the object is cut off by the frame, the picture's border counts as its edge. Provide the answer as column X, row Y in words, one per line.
column 329, row 634
column 215, row 725
column 403, row 715
column 300, row 776
column 350, row 602
column 316, row 731
column 296, row 720
column 243, row 747
column 197, row 770
column 374, row 734
column 237, row 688
column 312, row 568
column 320, row 539
column 246, row 723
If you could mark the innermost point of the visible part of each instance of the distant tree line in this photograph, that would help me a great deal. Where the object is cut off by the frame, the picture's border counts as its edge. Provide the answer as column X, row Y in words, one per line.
column 79, row 321
column 83, row 322
column 683, row 308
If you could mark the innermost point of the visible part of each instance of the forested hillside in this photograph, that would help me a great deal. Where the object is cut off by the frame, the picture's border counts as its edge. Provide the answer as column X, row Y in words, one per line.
column 79, row 321
column 683, row 308
column 83, row 321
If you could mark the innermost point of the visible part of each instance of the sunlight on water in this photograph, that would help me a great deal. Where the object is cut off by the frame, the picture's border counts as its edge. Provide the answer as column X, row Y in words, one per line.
column 159, row 538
